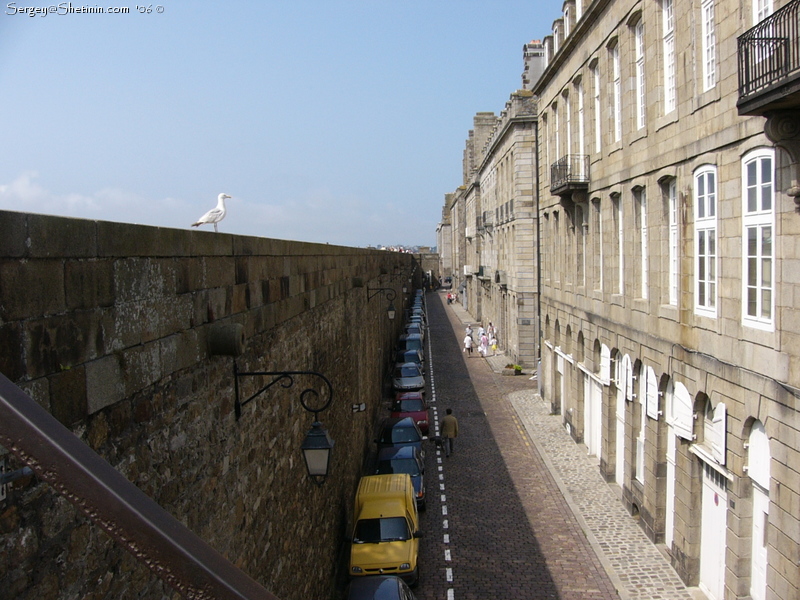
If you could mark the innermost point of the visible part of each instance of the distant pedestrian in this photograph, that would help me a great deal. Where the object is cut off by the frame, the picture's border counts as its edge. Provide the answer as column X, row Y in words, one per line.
column 491, row 331
column 449, row 431
column 468, row 345
column 469, row 330
column 493, row 345
column 484, row 346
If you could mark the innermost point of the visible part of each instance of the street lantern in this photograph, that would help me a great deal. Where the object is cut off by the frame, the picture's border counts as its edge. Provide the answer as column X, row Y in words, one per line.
column 391, row 311
column 317, row 444
column 317, row 452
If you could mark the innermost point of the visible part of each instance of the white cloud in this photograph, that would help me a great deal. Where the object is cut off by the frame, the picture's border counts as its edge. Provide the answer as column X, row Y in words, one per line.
column 316, row 215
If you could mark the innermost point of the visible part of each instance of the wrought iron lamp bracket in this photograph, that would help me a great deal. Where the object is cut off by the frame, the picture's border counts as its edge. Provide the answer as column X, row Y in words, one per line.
column 390, row 293
column 286, row 379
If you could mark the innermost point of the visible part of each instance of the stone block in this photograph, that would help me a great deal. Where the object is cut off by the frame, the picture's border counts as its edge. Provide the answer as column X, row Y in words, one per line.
column 140, row 367
column 59, row 342
column 104, row 383
column 14, row 238
column 88, row 284
column 126, row 240
column 68, row 396
column 31, row 289
column 137, row 279
column 12, row 357
column 219, row 272
column 61, row 237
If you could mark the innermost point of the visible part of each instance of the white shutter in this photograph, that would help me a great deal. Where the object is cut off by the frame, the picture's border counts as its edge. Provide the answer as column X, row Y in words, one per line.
column 718, row 425
column 605, row 364
column 626, row 377
column 682, row 412
column 652, row 393
column 758, row 456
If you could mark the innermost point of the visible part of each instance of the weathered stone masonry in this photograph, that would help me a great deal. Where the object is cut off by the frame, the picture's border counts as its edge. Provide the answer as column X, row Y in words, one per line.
column 106, row 325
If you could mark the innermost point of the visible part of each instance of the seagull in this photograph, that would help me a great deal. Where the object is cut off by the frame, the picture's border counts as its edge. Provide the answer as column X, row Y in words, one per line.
column 215, row 215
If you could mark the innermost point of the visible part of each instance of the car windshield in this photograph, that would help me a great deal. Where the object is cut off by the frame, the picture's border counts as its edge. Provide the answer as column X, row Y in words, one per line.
column 373, row 531
column 413, row 344
column 408, row 371
column 404, row 434
column 398, row 465
column 408, row 406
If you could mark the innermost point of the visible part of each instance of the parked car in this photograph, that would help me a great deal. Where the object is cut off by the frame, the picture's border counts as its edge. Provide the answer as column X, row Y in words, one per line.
column 404, row 459
column 411, row 356
column 411, row 341
column 400, row 432
column 411, row 404
column 408, row 377
column 386, row 529
column 415, row 328
column 379, row 587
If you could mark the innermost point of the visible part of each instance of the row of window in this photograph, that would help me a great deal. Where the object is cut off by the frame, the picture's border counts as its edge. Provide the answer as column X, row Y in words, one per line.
column 607, row 249
column 707, row 70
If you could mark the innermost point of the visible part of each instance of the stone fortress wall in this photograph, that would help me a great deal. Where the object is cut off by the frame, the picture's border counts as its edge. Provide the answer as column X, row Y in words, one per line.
column 107, row 326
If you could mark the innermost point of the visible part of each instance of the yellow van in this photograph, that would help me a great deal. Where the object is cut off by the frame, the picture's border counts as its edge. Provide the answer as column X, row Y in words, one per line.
column 386, row 530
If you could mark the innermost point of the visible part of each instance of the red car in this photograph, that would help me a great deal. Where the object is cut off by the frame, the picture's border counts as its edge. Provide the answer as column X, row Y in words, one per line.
column 411, row 404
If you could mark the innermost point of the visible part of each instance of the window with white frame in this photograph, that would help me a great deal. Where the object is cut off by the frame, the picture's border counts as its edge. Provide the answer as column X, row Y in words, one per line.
column 641, row 107
column 616, row 200
column 761, row 10
column 556, row 132
column 597, row 238
column 597, row 118
column 758, row 177
column 668, row 50
column 580, row 244
column 709, row 45
column 581, row 132
column 672, row 225
column 617, row 93
column 641, row 437
column 705, row 229
column 546, row 136
column 640, row 200
column 568, row 115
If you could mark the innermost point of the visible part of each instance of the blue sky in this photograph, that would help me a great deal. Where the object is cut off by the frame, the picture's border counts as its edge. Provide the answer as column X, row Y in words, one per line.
column 326, row 121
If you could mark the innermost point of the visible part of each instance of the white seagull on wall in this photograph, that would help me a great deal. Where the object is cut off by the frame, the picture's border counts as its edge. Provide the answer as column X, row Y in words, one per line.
column 215, row 215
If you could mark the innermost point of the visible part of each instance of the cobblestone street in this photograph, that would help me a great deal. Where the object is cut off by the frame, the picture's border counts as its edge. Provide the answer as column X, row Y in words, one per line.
column 519, row 510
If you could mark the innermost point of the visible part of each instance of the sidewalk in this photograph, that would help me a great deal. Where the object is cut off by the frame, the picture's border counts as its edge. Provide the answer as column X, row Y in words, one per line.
column 637, row 567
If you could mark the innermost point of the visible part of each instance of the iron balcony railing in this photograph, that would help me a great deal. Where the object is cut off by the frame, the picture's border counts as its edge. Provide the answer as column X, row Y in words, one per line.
column 569, row 173
column 769, row 53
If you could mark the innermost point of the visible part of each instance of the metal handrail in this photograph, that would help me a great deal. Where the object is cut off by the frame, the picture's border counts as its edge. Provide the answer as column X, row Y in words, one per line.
column 134, row 520
column 770, row 51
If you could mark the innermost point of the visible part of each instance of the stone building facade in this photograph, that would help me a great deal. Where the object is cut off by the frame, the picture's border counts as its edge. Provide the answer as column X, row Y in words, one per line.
column 669, row 284
column 497, row 269
column 107, row 327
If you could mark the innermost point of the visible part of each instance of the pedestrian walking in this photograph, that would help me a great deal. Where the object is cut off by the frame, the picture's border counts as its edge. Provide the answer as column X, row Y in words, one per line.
column 484, row 345
column 468, row 344
column 469, row 330
column 490, row 331
column 449, row 431
column 493, row 345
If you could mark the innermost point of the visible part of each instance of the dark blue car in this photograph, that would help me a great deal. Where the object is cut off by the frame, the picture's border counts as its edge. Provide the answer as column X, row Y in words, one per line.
column 404, row 459
column 400, row 432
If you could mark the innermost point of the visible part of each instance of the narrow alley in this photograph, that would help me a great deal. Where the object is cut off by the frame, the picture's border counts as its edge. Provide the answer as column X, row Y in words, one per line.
column 519, row 510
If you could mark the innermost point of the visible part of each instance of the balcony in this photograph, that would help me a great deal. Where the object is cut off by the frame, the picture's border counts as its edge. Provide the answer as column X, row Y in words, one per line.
column 769, row 63
column 570, row 174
